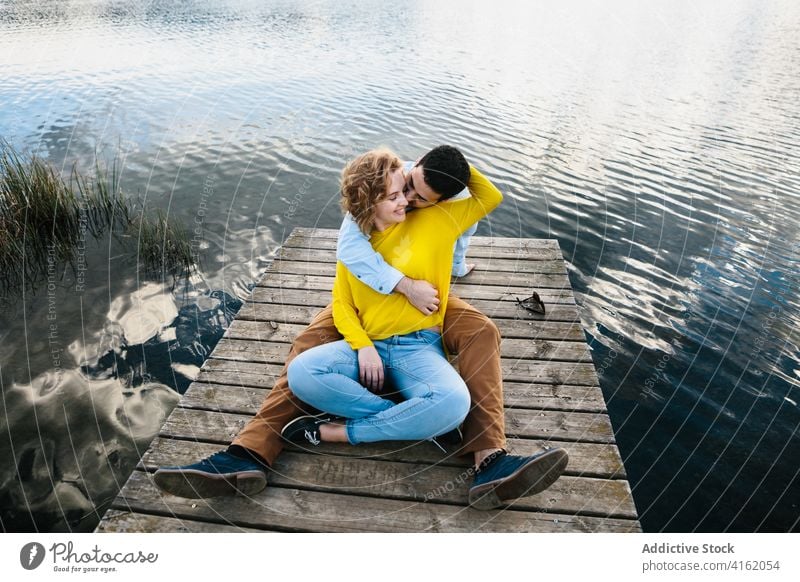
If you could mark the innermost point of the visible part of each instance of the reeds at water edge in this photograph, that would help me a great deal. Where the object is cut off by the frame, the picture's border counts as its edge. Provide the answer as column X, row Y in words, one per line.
column 44, row 218
column 164, row 246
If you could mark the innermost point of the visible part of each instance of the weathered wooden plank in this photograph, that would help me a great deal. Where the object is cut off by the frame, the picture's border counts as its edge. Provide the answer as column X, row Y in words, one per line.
column 581, row 374
column 476, row 251
column 549, row 372
column 564, row 397
column 276, row 314
column 480, row 276
column 544, row 350
column 495, row 241
column 462, row 289
column 408, row 481
column 291, row 313
column 521, row 265
column 120, row 521
column 245, row 399
column 509, row 329
column 242, row 329
column 264, row 378
column 303, row 510
column 223, row 397
column 591, row 427
column 321, row 298
column 588, row 427
column 515, row 242
column 420, row 482
column 214, row 373
column 514, row 370
column 585, row 459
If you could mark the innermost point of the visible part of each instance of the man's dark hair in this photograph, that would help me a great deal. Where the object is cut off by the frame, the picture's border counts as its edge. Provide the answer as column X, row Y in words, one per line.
column 445, row 170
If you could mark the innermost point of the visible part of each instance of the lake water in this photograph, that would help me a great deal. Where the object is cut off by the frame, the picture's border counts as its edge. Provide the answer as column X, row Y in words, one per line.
column 657, row 141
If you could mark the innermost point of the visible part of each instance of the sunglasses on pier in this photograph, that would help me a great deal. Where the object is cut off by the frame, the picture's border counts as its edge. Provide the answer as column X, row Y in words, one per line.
column 534, row 303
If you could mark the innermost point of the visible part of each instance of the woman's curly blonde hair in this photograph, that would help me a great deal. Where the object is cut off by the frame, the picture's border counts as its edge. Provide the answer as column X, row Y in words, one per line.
column 365, row 180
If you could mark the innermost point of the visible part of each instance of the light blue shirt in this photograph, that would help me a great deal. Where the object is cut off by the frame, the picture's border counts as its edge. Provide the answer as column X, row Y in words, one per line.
column 355, row 251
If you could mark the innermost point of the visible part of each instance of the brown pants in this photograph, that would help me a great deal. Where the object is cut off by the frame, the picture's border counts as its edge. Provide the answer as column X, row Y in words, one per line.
column 466, row 332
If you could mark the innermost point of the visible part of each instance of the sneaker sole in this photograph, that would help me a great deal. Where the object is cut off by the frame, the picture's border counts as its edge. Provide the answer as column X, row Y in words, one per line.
column 530, row 479
column 197, row 485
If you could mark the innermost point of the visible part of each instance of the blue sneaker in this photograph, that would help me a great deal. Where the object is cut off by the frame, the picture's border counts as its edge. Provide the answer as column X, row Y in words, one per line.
column 219, row 474
column 502, row 478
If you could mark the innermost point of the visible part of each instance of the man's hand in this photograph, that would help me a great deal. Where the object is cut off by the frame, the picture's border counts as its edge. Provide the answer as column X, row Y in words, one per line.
column 370, row 369
column 420, row 294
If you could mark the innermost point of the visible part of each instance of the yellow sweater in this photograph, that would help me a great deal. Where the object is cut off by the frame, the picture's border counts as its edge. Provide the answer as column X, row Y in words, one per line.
column 422, row 248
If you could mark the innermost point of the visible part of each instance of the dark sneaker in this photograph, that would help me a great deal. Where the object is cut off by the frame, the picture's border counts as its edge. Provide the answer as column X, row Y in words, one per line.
column 304, row 430
column 219, row 474
column 451, row 438
column 505, row 477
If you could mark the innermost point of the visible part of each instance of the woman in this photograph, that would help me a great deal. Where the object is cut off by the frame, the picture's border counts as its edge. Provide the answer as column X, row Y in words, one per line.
column 385, row 333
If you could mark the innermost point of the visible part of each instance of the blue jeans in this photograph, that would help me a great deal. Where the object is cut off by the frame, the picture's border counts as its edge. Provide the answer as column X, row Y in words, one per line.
column 436, row 398
column 460, row 252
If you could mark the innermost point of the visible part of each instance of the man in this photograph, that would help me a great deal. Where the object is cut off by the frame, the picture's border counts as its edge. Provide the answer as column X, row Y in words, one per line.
column 499, row 477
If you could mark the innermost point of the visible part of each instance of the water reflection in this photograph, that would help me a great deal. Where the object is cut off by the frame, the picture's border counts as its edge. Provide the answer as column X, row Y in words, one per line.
column 76, row 434
column 73, row 442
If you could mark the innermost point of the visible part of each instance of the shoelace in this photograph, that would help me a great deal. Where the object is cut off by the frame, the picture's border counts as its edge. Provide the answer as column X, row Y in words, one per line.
column 209, row 461
column 312, row 436
column 441, row 448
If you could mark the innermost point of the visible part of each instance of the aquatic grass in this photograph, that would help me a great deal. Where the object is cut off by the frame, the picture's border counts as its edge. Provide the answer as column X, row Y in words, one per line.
column 164, row 246
column 44, row 218
column 101, row 198
column 38, row 216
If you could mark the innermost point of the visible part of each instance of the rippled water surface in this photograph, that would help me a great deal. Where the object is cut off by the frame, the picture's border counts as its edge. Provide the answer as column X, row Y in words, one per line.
column 658, row 142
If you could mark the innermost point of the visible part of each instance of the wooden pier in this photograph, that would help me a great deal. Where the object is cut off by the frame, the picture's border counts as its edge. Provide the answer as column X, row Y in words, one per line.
column 552, row 398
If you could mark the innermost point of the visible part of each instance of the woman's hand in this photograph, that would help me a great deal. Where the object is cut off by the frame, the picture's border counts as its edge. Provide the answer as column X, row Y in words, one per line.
column 370, row 369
